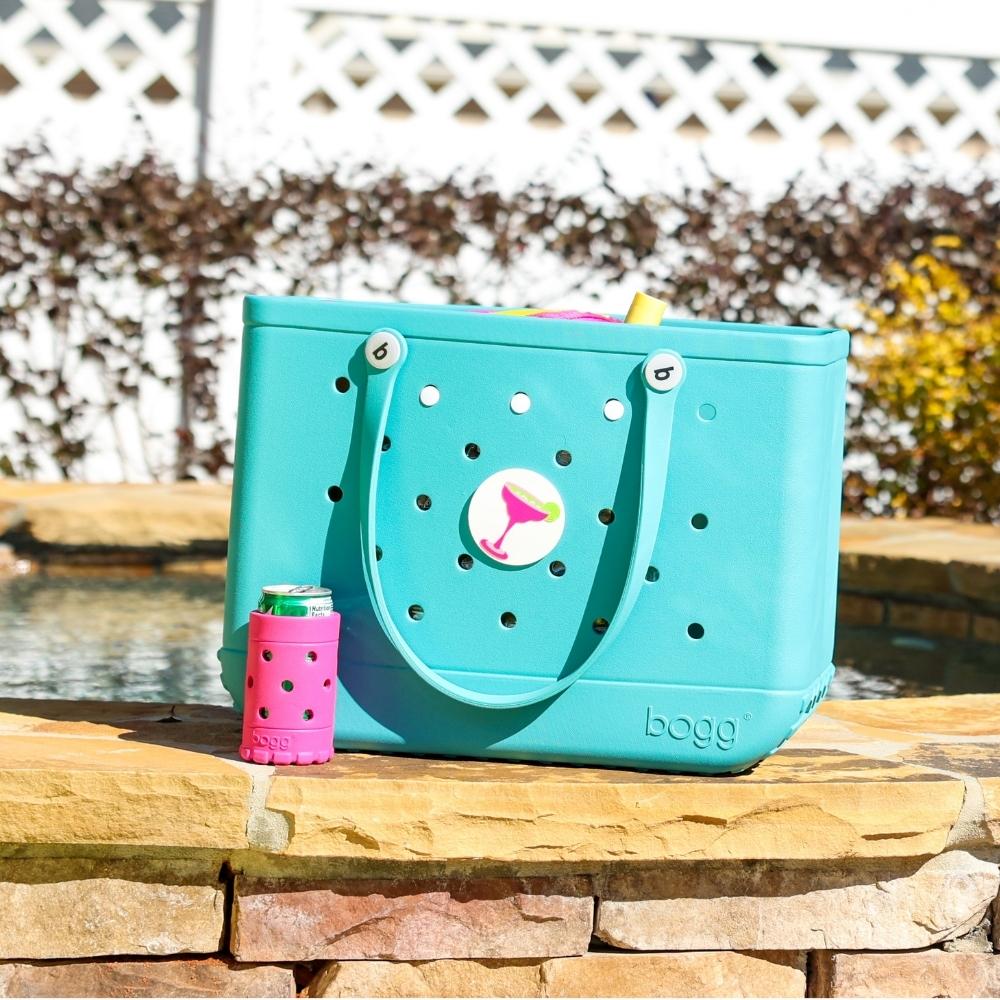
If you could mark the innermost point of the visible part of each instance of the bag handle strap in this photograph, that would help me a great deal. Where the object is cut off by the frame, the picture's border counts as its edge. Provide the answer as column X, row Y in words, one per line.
column 662, row 372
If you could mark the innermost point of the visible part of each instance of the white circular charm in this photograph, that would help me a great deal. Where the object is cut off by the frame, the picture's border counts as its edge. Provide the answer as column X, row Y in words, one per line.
column 664, row 371
column 382, row 349
column 516, row 517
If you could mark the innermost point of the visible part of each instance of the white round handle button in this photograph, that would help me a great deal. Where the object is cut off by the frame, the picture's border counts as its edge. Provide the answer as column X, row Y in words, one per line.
column 516, row 517
column 382, row 349
column 664, row 371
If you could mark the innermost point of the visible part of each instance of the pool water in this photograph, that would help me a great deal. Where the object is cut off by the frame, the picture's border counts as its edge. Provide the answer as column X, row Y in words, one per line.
column 154, row 639
column 126, row 639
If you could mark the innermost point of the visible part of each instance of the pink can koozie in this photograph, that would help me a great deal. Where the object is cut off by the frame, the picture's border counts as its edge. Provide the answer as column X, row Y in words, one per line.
column 290, row 689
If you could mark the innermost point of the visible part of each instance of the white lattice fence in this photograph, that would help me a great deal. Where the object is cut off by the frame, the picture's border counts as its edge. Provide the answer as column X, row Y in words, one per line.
column 515, row 77
column 264, row 81
column 95, row 78
column 446, row 91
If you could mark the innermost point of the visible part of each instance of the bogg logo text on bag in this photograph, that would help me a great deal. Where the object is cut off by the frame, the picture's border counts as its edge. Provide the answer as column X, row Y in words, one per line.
column 701, row 732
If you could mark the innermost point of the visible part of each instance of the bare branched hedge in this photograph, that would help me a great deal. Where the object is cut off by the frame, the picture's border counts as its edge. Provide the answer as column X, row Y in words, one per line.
column 109, row 263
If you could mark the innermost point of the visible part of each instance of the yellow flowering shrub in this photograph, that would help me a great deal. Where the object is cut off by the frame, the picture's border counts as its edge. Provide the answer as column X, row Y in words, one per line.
column 925, row 427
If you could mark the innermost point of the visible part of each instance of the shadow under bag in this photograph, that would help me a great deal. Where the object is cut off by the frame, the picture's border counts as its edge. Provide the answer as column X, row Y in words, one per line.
column 548, row 540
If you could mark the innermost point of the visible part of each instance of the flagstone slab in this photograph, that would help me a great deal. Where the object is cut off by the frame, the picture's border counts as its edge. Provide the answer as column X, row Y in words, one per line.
column 937, row 539
column 951, row 734
column 119, row 516
column 410, row 919
column 861, row 780
column 931, row 556
column 756, row 906
column 193, row 977
column 797, row 804
column 78, row 907
column 690, row 974
column 914, row 974
column 944, row 715
column 93, row 773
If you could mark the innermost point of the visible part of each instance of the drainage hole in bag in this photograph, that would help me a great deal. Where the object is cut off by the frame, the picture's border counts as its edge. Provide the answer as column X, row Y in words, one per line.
column 520, row 402
column 614, row 409
column 327, row 682
column 342, row 384
column 508, row 619
column 386, row 443
column 267, row 655
column 307, row 714
column 311, row 656
column 287, row 685
column 652, row 574
column 335, row 493
column 472, row 450
column 606, row 515
column 563, row 458
column 263, row 712
column 430, row 395
column 378, row 553
column 600, row 625
column 465, row 561
column 699, row 521
column 424, row 502
column 557, row 568
column 696, row 631
column 416, row 611
column 250, row 681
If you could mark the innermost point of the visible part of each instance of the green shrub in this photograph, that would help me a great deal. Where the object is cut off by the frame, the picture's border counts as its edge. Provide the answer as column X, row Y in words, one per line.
column 928, row 409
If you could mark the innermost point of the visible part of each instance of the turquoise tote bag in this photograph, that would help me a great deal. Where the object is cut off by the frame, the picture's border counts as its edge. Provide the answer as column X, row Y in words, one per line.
column 549, row 540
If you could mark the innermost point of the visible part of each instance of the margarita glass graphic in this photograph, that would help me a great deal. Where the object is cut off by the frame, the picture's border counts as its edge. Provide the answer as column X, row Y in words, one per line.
column 522, row 508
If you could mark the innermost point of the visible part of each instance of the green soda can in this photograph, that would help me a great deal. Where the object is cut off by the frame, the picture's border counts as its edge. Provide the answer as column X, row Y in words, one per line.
column 294, row 601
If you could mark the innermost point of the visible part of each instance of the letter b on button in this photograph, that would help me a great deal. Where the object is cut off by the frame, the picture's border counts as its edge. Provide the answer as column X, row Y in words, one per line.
column 664, row 371
column 382, row 349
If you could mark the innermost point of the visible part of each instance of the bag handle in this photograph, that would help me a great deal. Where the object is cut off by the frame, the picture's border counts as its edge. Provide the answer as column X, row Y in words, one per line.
column 662, row 372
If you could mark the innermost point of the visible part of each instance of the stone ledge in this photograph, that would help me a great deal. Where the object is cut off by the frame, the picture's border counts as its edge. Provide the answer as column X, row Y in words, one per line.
column 924, row 561
column 797, row 804
column 121, row 523
column 79, row 773
column 861, row 780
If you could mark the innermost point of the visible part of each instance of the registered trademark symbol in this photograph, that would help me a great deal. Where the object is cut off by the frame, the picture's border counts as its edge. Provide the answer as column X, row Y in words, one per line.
column 747, row 716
